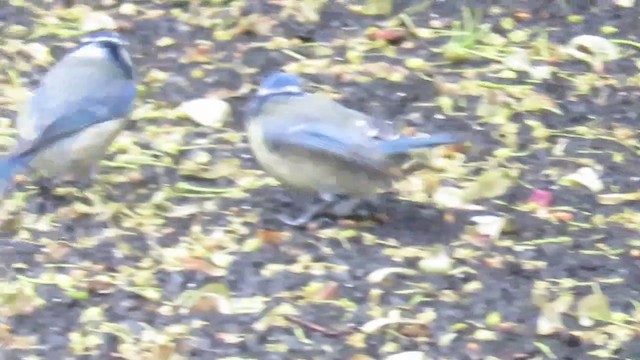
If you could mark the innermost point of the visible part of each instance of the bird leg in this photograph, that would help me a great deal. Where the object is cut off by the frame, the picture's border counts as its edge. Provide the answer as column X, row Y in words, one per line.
column 80, row 181
column 45, row 186
column 326, row 202
column 63, row 187
column 84, row 177
column 346, row 207
column 355, row 208
column 83, row 185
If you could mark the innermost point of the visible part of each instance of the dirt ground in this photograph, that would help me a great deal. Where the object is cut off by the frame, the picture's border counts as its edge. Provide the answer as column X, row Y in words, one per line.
column 174, row 252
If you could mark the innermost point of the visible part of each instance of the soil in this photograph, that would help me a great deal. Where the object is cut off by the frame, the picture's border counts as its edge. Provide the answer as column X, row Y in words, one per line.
column 174, row 252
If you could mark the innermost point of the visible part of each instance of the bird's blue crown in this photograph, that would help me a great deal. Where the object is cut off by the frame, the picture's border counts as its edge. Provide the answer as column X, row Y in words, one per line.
column 114, row 44
column 275, row 85
column 280, row 83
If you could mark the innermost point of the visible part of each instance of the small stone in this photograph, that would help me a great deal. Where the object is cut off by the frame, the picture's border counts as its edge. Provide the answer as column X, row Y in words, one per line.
column 207, row 111
column 128, row 9
column 95, row 21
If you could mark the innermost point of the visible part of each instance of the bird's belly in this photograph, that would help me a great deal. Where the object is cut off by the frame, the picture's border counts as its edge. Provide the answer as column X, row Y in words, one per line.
column 76, row 156
column 321, row 176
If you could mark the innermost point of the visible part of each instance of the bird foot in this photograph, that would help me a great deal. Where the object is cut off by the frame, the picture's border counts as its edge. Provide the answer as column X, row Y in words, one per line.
column 346, row 207
column 310, row 214
column 49, row 187
column 45, row 186
column 300, row 221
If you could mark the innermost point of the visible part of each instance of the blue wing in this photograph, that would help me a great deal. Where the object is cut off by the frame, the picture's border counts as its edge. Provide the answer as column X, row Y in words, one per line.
column 109, row 105
column 325, row 142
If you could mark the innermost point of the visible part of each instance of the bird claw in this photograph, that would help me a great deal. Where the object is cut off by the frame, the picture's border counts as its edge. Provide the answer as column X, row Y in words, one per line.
column 308, row 215
column 331, row 204
column 346, row 207
column 295, row 222
column 45, row 186
column 82, row 185
column 49, row 187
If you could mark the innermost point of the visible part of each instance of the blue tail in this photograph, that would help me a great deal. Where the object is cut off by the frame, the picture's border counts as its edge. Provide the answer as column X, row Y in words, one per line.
column 10, row 166
column 405, row 144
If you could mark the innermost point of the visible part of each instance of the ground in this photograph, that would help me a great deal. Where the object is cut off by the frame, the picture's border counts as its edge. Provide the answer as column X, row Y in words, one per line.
column 174, row 253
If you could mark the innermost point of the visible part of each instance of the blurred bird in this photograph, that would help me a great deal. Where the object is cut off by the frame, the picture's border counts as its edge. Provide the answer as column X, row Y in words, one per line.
column 76, row 112
column 312, row 143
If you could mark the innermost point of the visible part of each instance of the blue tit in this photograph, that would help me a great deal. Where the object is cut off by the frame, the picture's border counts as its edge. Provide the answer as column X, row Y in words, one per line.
column 78, row 109
column 312, row 143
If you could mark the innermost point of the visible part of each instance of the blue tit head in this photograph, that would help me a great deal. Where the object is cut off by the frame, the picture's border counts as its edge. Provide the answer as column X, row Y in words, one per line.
column 280, row 83
column 105, row 46
column 275, row 85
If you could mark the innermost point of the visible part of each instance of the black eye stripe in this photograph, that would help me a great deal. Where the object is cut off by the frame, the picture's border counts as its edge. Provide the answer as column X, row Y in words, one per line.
column 104, row 39
column 117, row 53
column 106, row 42
column 279, row 90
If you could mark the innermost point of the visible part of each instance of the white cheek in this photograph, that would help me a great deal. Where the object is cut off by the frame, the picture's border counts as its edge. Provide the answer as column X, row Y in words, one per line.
column 89, row 52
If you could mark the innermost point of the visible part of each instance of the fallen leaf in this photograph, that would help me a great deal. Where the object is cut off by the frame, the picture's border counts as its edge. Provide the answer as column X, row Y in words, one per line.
column 273, row 237
column 489, row 225
column 593, row 307
column 586, row 177
column 393, row 36
column 380, row 275
column 328, row 291
column 408, row 355
column 540, row 197
column 492, row 183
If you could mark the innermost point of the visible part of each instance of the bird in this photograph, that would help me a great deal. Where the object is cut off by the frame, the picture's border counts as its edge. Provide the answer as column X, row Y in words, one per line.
column 312, row 143
column 76, row 112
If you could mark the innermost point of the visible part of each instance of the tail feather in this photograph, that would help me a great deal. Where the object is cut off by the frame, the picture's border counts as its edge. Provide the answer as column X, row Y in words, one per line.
column 405, row 144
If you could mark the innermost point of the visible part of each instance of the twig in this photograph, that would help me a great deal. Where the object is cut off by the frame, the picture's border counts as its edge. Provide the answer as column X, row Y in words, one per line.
column 319, row 328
